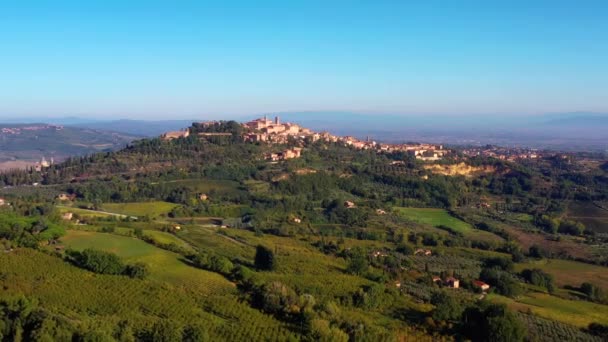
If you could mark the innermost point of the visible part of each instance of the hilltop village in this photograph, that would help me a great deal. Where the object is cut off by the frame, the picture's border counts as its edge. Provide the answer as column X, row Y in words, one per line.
column 264, row 130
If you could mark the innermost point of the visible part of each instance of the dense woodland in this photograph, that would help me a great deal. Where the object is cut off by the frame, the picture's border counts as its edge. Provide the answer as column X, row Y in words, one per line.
column 305, row 264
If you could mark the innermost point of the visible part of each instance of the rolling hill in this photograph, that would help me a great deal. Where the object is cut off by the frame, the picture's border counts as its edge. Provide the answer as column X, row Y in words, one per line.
column 24, row 144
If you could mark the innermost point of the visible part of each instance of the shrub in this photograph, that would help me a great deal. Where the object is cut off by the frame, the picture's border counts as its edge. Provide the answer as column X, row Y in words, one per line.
column 539, row 278
column 97, row 261
column 502, row 282
column 165, row 331
column 594, row 293
column 492, row 322
column 446, row 307
column 357, row 263
column 264, row 258
column 137, row 270
column 598, row 329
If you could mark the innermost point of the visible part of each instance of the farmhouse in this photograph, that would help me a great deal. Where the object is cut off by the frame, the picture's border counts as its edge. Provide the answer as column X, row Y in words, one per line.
column 66, row 197
column 376, row 254
column 349, row 204
column 480, row 284
column 452, row 282
column 67, row 216
column 3, row 202
column 291, row 153
column 421, row 251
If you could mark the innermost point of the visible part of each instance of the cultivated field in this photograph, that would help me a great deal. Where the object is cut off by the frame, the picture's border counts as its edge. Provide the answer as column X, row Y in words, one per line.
column 152, row 209
column 576, row 312
column 593, row 215
column 88, row 213
column 167, row 239
column 164, row 265
column 571, row 273
column 565, row 246
column 440, row 217
column 103, row 300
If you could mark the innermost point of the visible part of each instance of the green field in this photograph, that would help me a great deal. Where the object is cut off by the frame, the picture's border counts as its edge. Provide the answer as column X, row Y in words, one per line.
column 73, row 291
column 87, row 212
column 434, row 217
column 576, row 312
column 439, row 217
column 167, row 239
column 302, row 265
column 164, row 265
column 152, row 209
column 571, row 273
column 94, row 300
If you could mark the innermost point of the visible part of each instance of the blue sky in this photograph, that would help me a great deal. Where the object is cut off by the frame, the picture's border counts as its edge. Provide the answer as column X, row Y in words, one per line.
column 187, row 59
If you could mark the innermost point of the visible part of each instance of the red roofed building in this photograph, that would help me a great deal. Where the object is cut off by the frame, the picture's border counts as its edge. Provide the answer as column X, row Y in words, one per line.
column 483, row 286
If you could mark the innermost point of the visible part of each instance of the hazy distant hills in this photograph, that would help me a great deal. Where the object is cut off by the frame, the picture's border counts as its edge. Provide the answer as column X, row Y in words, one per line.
column 141, row 128
column 24, row 144
column 138, row 127
column 578, row 119
column 564, row 131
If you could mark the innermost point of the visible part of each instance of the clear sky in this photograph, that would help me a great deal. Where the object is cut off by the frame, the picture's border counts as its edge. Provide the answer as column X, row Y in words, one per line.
column 186, row 59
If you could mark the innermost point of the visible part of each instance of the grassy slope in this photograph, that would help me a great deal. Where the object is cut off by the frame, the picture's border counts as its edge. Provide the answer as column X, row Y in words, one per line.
column 75, row 292
column 164, row 265
column 440, row 217
column 153, row 209
column 87, row 212
column 167, row 238
column 570, row 272
column 300, row 266
column 103, row 300
column 434, row 217
column 578, row 313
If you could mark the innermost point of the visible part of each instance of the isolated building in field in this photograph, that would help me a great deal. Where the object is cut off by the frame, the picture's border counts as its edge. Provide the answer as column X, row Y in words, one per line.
column 65, row 197
column 480, row 284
